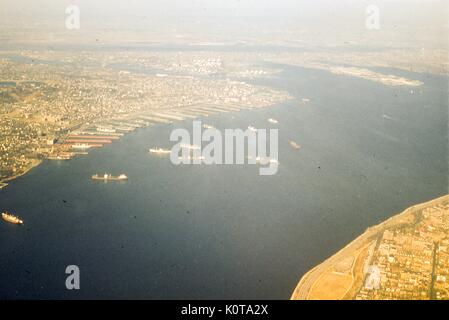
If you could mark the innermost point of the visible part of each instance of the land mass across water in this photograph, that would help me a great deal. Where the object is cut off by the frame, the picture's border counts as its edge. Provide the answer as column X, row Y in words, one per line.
column 49, row 115
column 404, row 257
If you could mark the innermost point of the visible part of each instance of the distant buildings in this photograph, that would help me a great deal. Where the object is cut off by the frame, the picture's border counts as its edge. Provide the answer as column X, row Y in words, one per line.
column 52, row 100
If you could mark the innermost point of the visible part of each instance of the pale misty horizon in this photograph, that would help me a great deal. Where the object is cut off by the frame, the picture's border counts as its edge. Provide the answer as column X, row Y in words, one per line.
column 323, row 22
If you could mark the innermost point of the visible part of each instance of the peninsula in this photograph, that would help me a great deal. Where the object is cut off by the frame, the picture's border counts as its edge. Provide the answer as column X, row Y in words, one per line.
column 405, row 257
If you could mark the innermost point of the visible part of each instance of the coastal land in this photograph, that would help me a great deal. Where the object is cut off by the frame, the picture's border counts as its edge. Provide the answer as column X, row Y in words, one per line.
column 404, row 257
column 47, row 114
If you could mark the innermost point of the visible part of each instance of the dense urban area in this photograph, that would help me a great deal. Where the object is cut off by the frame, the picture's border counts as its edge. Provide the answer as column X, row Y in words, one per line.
column 405, row 257
column 412, row 261
column 56, row 105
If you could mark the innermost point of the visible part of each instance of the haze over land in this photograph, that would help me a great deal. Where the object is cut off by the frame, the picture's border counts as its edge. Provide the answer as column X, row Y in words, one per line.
column 411, row 23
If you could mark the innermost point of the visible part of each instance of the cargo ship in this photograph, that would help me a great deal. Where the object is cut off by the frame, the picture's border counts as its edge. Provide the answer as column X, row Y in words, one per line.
column 11, row 218
column 109, row 177
column 159, row 150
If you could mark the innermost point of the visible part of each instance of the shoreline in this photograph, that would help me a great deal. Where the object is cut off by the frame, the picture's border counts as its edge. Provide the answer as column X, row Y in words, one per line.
column 307, row 281
column 196, row 115
column 35, row 163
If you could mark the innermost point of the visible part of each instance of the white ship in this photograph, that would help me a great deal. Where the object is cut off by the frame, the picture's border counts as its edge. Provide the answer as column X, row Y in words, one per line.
column 82, row 146
column 192, row 158
column 109, row 177
column 159, row 150
column 11, row 218
column 271, row 120
column 294, row 145
column 190, row 146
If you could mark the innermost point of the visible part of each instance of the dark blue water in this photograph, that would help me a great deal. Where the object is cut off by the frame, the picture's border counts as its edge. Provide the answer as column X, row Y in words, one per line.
column 368, row 151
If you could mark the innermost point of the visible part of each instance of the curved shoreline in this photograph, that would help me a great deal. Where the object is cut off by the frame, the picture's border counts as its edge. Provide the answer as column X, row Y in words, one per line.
column 34, row 164
column 304, row 285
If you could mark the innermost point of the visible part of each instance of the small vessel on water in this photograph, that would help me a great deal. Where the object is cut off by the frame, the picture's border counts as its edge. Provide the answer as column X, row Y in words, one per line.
column 11, row 218
column 274, row 121
column 106, row 129
column 192, row 158
column 109, row 177
column 159, row 150
column 294, row 145
column 190, row 146
column 59, row 157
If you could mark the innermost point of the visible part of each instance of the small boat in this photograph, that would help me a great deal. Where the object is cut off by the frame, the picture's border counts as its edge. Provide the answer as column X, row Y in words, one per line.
column 274, row 121
column 264, row 160
column 81, row 146
column 59, row 157
column 11, row 218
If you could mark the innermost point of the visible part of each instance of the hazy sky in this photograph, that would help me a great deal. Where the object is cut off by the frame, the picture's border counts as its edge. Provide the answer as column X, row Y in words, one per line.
column 240, row 19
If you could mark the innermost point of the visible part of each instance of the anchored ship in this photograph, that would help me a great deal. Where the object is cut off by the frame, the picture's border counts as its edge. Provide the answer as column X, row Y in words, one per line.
column 252, row 128
column 59, row 157
column 294, row 145
column 190, row 146
column 109, row 177
column 11, row 218
column 159, row 150
column 262, row 160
